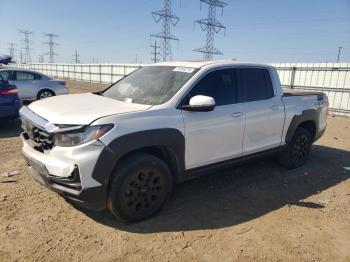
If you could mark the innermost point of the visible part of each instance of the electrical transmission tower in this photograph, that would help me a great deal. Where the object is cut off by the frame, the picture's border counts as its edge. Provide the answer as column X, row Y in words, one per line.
column 51, row 44
column 212, row 27
column 166, row 18
column 27, row 57
column 76, row 57
column 155, row 54
column 12, row 50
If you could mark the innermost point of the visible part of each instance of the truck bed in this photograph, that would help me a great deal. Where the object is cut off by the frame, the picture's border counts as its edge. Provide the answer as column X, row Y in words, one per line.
column 293, row 92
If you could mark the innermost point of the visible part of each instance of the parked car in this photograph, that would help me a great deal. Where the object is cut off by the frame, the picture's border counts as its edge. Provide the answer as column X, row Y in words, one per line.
column 33, row 85
column 125, row 147
column 5, row 59
column 9, row 101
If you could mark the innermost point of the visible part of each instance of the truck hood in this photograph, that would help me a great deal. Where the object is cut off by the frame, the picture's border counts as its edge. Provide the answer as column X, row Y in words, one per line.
column 81, row 109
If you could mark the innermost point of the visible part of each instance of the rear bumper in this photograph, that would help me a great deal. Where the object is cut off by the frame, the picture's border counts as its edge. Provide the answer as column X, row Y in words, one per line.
column 71, row 178
column 61, row 90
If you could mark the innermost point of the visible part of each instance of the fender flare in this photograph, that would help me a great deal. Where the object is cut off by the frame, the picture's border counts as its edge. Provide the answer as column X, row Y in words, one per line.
column 307, row 115
column 170, row 138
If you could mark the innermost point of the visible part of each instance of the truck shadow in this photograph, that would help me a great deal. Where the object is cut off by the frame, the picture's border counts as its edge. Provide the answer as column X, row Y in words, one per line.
column 241, row 194
column 10, row 129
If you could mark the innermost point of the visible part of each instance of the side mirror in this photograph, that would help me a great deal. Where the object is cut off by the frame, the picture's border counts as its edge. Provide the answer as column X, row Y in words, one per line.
column 200, row 103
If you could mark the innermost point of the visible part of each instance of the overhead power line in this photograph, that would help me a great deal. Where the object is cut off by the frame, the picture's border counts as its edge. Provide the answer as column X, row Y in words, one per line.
column 51, row 45
column 166, row 18
column 212, row 27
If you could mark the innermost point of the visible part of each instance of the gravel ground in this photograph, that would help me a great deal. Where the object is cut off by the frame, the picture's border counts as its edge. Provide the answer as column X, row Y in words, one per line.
column 259, row 211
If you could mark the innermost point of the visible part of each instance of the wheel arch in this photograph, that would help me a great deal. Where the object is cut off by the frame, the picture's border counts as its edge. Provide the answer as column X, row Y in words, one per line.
column 308, row 120
column 168, row 144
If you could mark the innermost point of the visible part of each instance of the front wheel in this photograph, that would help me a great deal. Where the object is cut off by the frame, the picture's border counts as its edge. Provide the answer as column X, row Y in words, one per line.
column 298, row 150
column 141, row 185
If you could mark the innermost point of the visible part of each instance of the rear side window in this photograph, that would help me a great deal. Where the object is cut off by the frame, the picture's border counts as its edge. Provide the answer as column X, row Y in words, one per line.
column 6, row 75
column 37, row 77
column 255, row 83
column 22, row 76
column 221, row 85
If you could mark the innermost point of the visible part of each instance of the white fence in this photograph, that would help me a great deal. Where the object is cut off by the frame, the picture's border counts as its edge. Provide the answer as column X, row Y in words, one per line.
column 94, row 73
column 331, row 78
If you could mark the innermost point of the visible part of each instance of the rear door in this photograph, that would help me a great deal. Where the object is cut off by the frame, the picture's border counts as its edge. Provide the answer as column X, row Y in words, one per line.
column 27, row 85
column 217, row 135
column 264, row 110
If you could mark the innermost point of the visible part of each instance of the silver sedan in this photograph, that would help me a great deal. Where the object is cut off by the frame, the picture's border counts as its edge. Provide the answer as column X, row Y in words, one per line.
column 33, row 85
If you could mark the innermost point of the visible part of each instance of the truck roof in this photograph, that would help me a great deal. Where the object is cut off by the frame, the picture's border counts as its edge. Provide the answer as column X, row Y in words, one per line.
column 200, row 63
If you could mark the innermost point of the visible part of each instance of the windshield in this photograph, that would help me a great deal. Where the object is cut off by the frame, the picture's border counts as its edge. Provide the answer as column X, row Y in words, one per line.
column 150, row 85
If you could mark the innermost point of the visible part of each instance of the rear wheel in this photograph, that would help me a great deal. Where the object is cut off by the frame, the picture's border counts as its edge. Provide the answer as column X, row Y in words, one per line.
column 45, row 93
column 141, row 185
column 298, row 150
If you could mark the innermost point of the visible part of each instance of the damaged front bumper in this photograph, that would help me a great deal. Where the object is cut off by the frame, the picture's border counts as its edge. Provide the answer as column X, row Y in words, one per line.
column 68, row 171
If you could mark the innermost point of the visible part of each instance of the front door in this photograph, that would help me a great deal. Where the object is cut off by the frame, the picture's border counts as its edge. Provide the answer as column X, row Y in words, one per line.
column 217, row 135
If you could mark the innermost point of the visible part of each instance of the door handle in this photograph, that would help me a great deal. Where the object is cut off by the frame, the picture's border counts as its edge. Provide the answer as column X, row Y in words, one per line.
column 35, row 82
column 237, row 114
column 275, row 107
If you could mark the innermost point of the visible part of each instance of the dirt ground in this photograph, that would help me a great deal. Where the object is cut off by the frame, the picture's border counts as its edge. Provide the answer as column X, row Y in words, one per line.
column 259, row 212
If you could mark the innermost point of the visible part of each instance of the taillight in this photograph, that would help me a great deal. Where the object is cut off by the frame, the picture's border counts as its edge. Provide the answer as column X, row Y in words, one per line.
column 9, row 90
column 63, row 83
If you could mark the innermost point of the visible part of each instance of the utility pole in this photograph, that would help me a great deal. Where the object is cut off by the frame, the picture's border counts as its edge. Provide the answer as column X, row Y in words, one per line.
column 76, row 57
column 51, row 45
column 167, row 18
column 12, row 50
column 41, row 58
column 155, row 52
column 212, row 27
column 339, row 50
column 27, row 42
column 21, row 56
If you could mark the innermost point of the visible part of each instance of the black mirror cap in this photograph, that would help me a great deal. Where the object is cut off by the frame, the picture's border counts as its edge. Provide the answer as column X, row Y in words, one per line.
column 197, row 108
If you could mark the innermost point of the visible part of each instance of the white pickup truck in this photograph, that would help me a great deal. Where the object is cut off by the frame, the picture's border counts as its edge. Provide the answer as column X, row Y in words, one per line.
column 125, row 147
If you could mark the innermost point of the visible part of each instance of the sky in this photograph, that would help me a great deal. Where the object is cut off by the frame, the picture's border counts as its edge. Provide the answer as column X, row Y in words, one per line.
column 115, row 31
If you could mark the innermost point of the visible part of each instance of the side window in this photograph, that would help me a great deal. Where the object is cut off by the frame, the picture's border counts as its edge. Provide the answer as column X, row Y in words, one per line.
column 255, row 83
column 221, row 85
column 37, row 77
column 6, row 75
column 23, row 76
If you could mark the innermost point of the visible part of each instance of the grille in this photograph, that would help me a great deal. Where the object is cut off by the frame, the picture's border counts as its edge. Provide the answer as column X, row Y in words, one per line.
column 41, row 139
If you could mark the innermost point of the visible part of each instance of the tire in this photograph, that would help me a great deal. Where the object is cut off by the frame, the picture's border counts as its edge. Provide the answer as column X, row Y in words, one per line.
column 45, row 93
column 298, row 150
column 141, row 184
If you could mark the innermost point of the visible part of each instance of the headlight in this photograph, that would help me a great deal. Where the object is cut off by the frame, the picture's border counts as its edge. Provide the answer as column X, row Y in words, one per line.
column 81, row 136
